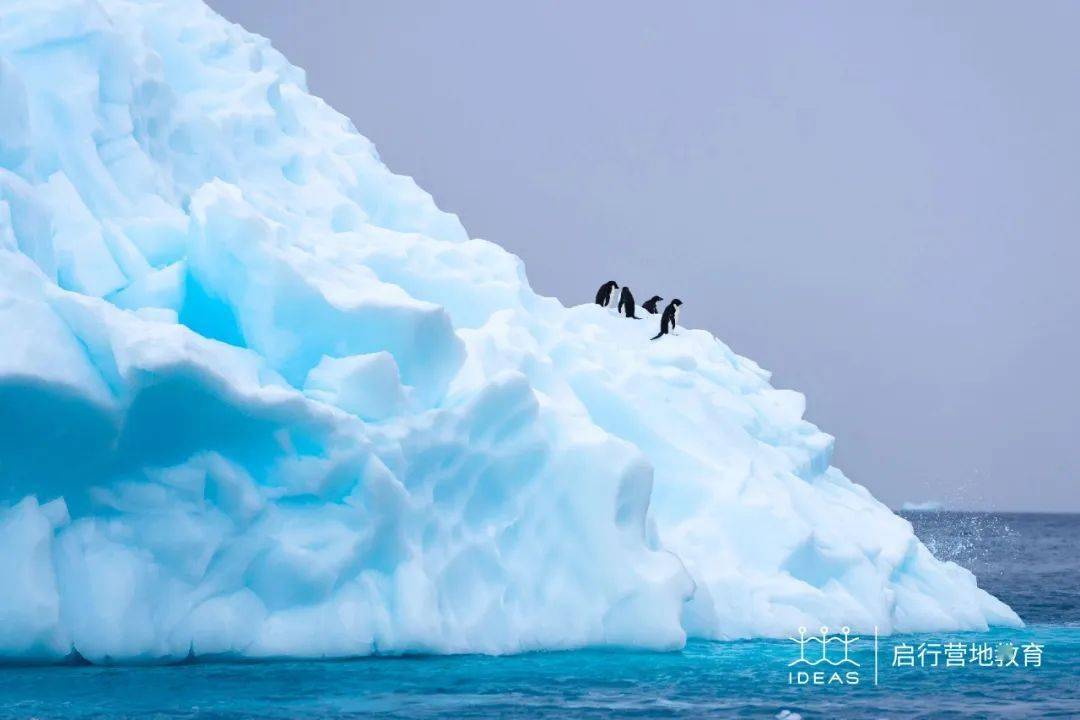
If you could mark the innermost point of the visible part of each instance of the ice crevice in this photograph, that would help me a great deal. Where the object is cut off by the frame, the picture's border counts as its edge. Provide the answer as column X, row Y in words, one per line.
column 260, row 397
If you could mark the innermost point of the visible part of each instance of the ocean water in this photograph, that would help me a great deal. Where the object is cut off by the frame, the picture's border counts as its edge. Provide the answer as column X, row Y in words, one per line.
column 1030, row 561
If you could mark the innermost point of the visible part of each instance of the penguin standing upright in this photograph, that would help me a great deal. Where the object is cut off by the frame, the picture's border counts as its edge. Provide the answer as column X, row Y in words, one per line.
column 669, row 318
column 626, row 303
column 603, row 295
column 650, row 304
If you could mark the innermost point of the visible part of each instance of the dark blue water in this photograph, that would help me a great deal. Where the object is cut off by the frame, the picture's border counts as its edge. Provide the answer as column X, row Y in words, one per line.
column 1028, row 560
column 1032, row 562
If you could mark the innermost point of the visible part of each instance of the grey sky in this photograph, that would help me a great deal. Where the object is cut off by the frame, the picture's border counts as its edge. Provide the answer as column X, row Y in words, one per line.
column 880, row 202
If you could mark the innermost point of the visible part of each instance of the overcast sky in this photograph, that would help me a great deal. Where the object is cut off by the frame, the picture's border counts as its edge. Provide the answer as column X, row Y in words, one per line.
column 879, row 202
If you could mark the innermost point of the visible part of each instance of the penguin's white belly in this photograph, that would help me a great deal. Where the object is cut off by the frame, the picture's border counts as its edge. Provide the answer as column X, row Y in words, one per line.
column 675, row 319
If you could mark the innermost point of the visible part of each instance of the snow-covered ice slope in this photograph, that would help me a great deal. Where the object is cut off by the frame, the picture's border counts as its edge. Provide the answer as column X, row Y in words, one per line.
column 259, row 396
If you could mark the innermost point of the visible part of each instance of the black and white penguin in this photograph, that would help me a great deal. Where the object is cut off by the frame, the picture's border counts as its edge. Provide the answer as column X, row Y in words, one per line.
column 669, row 318
column 603, row 295
column 626, row 303
column 650, row 304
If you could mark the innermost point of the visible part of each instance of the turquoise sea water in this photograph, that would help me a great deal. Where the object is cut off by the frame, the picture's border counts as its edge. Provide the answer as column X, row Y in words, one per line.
column 1027, row 560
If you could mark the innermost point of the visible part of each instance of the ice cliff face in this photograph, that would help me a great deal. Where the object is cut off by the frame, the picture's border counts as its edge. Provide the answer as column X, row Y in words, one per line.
column 259, row 396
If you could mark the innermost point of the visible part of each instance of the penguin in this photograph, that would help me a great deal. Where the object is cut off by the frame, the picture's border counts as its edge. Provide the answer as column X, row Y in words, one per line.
column 603, row 295
column 650, row 304
column 626, row 303
column 669, row 318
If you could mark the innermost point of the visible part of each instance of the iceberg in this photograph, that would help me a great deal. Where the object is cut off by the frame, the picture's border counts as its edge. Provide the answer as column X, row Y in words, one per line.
column 260, row 397
column 922, row 506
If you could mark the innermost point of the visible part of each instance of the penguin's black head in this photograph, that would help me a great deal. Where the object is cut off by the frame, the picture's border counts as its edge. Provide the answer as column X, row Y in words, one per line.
column 676, row 301
column 613, row 283
column 655, row 298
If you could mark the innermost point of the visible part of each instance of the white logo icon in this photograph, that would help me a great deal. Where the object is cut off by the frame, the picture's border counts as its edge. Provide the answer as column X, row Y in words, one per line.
column 813, row 656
